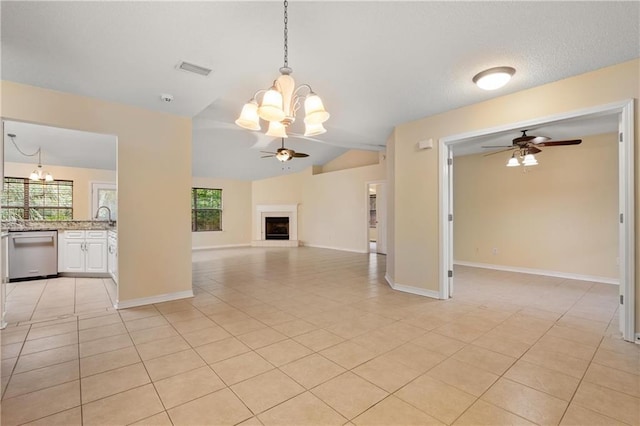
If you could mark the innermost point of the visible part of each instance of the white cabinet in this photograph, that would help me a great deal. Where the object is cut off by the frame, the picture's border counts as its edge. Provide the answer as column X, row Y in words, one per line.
column 82, row 251
column 112, row 255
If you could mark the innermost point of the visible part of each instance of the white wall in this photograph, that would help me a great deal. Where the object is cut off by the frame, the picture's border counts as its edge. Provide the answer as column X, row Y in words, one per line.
column 236, row 214
column 81, row 178
column 560, row 215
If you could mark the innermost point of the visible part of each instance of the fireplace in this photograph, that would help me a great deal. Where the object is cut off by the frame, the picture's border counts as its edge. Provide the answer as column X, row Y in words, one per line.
column 264, row 235
column 276, row 228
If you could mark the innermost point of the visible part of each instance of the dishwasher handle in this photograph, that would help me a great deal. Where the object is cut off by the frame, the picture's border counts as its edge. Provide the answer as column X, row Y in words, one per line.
column 41, row 238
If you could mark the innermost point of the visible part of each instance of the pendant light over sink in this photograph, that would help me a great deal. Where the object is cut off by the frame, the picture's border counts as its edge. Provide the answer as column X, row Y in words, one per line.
column 281, row 102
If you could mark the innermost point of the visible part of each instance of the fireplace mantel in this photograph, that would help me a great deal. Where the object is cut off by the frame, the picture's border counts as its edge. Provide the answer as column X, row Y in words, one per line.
column 275, row 210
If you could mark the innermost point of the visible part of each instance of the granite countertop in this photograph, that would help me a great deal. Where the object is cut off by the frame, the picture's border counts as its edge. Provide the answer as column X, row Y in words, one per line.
column 56, row 225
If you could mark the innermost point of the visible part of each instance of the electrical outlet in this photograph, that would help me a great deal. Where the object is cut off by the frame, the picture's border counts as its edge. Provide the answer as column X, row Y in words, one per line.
column 495, row 251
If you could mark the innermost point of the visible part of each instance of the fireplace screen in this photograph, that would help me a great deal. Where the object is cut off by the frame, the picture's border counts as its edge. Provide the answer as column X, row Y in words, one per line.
column 276, row 228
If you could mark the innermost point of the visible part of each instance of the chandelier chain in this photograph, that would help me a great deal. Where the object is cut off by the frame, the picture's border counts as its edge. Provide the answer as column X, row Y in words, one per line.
column 286, row 31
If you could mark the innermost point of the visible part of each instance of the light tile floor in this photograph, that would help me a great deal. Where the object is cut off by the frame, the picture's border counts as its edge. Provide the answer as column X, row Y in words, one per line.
column 310, row 336
column 56, row 297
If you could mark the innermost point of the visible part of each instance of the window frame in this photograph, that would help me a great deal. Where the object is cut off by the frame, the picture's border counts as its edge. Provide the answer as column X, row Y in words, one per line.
column 195, row 209
column 26, row 207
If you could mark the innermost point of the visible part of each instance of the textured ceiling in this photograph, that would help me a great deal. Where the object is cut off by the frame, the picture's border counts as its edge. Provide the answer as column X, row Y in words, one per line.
column 375, row 64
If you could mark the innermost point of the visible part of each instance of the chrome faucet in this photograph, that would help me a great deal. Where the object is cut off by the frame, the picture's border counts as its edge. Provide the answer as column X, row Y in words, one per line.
column 111, row 222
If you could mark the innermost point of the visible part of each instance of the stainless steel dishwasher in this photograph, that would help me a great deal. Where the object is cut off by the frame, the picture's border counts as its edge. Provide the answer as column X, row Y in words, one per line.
column 33, row 254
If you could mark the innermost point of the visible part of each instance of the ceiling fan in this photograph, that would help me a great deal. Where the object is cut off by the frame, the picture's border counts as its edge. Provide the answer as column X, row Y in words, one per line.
column 284, row 154
column 529, row 144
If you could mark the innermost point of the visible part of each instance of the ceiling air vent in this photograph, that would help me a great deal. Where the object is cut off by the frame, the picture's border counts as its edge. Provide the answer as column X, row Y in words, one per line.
column 197, row 69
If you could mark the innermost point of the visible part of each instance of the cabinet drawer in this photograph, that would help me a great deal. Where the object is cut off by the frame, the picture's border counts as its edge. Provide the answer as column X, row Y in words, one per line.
column 96, row 234
column 73, row 235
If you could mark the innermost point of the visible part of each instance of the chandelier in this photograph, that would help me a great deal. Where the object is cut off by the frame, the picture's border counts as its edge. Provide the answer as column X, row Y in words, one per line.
column 281, row 102
column 38, row 173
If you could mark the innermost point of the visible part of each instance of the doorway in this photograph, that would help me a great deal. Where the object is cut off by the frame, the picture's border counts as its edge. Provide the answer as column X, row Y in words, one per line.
column 623, row 111
column 376, row 220
column 69, row 162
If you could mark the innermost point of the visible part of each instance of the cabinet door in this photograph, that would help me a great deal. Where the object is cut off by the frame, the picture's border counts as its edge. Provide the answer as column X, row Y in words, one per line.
column 96, row 255
column 73, row 255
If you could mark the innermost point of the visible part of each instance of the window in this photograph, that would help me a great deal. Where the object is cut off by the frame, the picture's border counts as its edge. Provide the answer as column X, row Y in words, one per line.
column 37, row 200
column 206, row 209
column 104, row 194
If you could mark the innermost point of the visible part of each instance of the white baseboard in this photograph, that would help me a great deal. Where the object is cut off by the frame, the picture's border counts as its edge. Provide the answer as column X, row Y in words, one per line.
column 413, row 290
column 570, row 276
column 335, row 248
column 167, row 297
column 202, row 248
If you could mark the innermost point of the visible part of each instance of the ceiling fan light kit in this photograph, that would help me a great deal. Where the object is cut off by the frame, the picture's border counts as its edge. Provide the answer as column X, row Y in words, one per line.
column 529, row 160
column 513, row 161
column 282, row 100
column 527, row 146
column 494, row 78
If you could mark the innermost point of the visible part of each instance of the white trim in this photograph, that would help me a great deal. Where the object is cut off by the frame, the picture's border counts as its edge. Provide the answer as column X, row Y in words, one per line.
column 626, row 171
column 167, row 297
column 270, row 210
column 412, row 290
column 558, row 274
column 336, row 248
column 202, row 248
column 627, row 234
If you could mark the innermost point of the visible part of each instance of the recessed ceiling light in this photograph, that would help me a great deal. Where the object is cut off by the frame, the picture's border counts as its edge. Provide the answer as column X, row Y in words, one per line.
column 493, row 78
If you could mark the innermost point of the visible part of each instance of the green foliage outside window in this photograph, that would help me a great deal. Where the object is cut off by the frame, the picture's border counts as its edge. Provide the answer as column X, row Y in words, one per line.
column 206, row 209
column 36, row 200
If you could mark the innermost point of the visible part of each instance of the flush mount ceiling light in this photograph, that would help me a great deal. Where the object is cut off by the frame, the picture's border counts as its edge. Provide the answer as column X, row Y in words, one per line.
column 281, row 102
column 38, row 173
column 494, row 78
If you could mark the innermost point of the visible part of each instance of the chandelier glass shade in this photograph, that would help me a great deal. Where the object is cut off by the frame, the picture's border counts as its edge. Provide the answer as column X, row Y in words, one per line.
column 280, row 104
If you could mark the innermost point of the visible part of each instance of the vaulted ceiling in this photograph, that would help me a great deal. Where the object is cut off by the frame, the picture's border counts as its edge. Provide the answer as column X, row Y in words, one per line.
column 375, row 64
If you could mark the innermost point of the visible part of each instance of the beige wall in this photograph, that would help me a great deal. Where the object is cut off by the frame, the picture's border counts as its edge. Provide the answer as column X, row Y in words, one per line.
column 285, row 189
column 333, row 206
column 560, row 215
column 236, row 214
column 351, row 159
column 336, row 207
column 154, row 234
column 415, row 226
column 81, row 178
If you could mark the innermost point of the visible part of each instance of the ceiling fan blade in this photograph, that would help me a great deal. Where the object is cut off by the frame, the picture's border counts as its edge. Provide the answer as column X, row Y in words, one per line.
column 299, row 155
column 539, row 139
column 497, row 146
column 533, row 150
column 498, row 152
column 558, row 143
column 267, row 156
